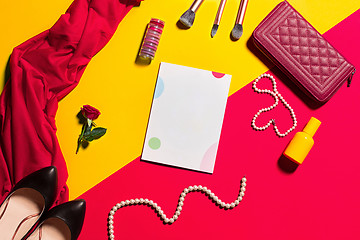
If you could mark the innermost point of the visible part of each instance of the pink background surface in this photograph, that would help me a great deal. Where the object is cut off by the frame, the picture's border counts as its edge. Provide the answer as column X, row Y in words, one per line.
column 317, row 200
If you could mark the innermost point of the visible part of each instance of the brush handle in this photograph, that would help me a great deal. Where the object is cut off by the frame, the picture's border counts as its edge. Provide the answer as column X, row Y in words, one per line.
column 220, row 12
column 196, row 4
column 241, row 12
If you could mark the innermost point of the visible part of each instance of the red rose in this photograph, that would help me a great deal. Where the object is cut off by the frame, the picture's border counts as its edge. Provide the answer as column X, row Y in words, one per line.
column 90, row 112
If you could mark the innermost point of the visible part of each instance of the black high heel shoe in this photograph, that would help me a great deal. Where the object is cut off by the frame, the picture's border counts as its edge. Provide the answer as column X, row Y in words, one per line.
column 63, row 222
column 27, row 201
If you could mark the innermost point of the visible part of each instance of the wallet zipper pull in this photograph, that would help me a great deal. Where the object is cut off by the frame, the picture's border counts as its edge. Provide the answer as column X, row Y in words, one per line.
column 350, row 77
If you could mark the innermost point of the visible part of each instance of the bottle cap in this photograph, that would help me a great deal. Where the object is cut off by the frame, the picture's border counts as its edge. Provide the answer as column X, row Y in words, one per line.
column 312, row 126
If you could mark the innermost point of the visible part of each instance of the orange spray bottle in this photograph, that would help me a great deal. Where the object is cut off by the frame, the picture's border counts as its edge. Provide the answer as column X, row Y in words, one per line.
column 301, row 144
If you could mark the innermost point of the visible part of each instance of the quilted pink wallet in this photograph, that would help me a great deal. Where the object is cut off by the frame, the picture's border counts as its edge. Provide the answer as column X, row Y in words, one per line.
column 300, row 51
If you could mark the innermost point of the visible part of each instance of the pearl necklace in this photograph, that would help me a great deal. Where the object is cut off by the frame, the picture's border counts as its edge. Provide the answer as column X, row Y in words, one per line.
column 276, row 95
column 157, row 208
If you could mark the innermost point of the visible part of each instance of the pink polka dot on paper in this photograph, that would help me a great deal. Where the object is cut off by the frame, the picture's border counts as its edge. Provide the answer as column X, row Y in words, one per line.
column 218, row 75
column 208, row 161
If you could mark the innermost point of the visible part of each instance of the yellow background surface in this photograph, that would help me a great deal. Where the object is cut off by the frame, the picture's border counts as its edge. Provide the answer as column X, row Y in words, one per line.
column 122, row 90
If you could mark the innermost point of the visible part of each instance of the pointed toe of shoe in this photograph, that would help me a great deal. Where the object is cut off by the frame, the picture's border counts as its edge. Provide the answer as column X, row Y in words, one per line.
column 72, row 213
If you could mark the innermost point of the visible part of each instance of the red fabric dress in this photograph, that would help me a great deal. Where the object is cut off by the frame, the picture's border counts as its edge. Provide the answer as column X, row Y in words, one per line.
column 43, row 70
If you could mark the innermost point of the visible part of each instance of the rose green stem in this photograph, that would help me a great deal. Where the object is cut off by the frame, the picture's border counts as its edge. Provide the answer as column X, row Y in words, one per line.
column 84, row 127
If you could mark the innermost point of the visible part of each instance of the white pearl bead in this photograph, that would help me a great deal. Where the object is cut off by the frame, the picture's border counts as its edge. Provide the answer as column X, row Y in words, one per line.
column 242, row 189
column 111, row 231
column 177, row 213
column 232, row 205
column 215, row 198
column 240, row 198
column 183, row 194
column 127, row 202
column 137, row 201
column 182, row 199
column 175, row 217
column 243, row 184
column 146, row 201
column 114, row 208
column 111, row 227
column 205, row 189
column 179, row 208
column 227, row 205
column 112, row 212
column 242, row 194
column 222, row 204
column 191, row 188
column 112, row 237
column 181, row 204
column 212, row 195
column 142, row 200
column 111, row 222
column 132, row 201
column 111, row 217
column 186, row 190
column 236, row 202
column 118, row 205
column 166, row 220
column 244, row 179
column 171, row 220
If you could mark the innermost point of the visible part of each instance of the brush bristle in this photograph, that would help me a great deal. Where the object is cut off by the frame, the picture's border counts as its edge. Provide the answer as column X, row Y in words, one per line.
column 187, row 18
column 214, row 30
column 237, row 31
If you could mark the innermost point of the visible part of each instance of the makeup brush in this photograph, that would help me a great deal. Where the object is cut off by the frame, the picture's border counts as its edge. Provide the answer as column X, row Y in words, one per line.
column 218, row 18
column 238, row 28
column 188, row 17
